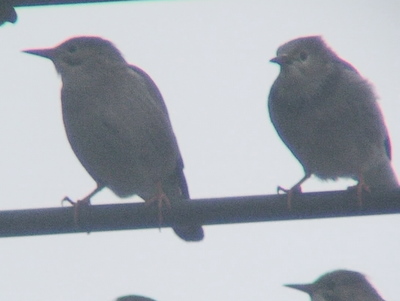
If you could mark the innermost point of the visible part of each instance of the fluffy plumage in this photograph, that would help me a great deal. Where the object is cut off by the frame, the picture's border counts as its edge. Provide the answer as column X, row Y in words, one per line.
column 327, row 115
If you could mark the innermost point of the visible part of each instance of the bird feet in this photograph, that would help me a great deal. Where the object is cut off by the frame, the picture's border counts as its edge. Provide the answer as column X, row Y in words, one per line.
column 162, row 201
column 361, row 188
column 79, row 206
column 296, row 189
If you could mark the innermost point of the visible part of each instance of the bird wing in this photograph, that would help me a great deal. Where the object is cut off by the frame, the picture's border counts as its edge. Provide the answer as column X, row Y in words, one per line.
column 152, row 88
column 388, row 147
column 175, row 185
column 156, row 97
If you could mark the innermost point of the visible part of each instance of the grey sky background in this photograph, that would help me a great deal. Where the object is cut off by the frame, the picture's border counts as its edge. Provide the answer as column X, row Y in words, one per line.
column 210, row 61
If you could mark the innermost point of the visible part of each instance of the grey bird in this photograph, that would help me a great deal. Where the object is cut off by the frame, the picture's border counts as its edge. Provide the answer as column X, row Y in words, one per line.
column 7, row 12
column 340, row 285
column 118, row 126
column 327, row 115
column 134, row 298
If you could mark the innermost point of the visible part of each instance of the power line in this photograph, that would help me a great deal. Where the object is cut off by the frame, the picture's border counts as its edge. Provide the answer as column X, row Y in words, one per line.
column 228, row 210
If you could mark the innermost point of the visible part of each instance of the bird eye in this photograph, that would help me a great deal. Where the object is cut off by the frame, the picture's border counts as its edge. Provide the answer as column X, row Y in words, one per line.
column 303, row 56
column 72, row 48
column 330, row 286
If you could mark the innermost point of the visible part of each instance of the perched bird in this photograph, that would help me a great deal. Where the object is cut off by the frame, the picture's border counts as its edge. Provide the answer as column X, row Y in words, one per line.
column 118, row 126
column 340, row 285
column 134, row 298
column 7, row 12
column 327, row 115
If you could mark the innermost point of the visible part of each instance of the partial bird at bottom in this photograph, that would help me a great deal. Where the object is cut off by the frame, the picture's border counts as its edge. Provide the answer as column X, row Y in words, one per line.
column 340, row 285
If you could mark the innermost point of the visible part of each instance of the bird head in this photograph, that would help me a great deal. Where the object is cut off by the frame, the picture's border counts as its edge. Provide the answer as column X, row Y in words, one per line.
column 339, row 285
column 303, row 55
column 81, row 54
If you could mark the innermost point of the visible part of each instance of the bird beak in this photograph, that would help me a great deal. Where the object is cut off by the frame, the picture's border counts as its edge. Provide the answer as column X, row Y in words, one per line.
column 47, row 53
column 280, row 59
column 307, row 288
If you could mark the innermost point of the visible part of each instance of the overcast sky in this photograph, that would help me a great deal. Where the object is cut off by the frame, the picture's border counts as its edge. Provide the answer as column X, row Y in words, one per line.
column 210, row 60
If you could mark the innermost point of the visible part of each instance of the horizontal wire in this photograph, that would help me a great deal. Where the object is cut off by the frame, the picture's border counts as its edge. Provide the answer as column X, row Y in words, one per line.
column 227, row 210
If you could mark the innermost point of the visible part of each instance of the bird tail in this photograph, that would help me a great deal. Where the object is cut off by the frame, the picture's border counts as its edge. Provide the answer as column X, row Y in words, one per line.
column 189, row 233
column 177, row 189
column 381, row 176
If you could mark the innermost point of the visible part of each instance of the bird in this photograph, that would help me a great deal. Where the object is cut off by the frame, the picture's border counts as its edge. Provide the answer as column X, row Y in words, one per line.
column 340, row 285
column 328, row 116
column 7, row 12
column 134, row 298
column 118, row 125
